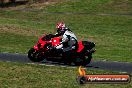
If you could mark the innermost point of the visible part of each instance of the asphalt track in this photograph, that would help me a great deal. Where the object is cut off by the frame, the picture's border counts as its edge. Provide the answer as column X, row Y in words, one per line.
column 105, row 65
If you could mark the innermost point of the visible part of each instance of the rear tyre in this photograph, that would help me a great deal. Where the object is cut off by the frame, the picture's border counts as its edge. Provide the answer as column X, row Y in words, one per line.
column 35, row 56
column 78, row 61
column 87, row 60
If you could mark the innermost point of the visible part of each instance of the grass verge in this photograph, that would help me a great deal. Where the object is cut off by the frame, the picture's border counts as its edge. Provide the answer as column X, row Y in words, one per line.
column 14, row 75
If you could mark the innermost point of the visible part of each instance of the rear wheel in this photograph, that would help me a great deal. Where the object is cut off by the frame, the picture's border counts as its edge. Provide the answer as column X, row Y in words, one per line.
column 35, row 56
column 87, row 60
column 78, row 61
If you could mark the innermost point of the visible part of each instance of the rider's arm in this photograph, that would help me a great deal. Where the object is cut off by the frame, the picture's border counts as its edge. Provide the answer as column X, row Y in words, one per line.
column 64, row 40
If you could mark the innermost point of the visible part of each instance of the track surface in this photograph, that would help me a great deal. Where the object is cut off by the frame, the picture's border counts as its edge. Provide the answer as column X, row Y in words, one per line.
column 106, row 65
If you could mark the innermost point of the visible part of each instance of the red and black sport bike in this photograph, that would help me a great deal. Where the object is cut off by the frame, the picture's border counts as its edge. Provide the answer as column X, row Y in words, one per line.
column 43, row 51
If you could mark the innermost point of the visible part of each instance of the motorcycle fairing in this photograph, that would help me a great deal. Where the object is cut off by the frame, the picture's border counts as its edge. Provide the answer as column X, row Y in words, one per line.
column 80, row 46
column 56, row 41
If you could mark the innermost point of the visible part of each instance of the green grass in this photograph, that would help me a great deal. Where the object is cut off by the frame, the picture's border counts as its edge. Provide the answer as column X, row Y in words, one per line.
column 19, row 75
column 93, row 6
column 19, row 31
column 13, row 44
column 112, row 33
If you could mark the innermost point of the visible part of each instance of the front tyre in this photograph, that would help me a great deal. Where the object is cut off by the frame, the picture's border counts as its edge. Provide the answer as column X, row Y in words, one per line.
column 35, row 56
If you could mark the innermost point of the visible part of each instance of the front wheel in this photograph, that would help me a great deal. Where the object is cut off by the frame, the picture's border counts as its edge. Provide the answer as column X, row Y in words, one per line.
column 35, row 56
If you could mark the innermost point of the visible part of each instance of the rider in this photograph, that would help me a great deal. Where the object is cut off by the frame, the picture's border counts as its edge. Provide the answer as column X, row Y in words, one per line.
column 69, row 40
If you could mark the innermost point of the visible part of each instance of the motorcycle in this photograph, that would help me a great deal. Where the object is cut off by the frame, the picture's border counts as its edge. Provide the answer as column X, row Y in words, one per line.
column 43, row 51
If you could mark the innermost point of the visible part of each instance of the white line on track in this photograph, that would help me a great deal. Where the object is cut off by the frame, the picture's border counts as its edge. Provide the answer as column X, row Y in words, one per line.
column 51, row 65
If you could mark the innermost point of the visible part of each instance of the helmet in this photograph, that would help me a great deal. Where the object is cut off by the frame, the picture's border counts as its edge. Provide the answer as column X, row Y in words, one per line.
column 60, row 25
column 60, row 28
